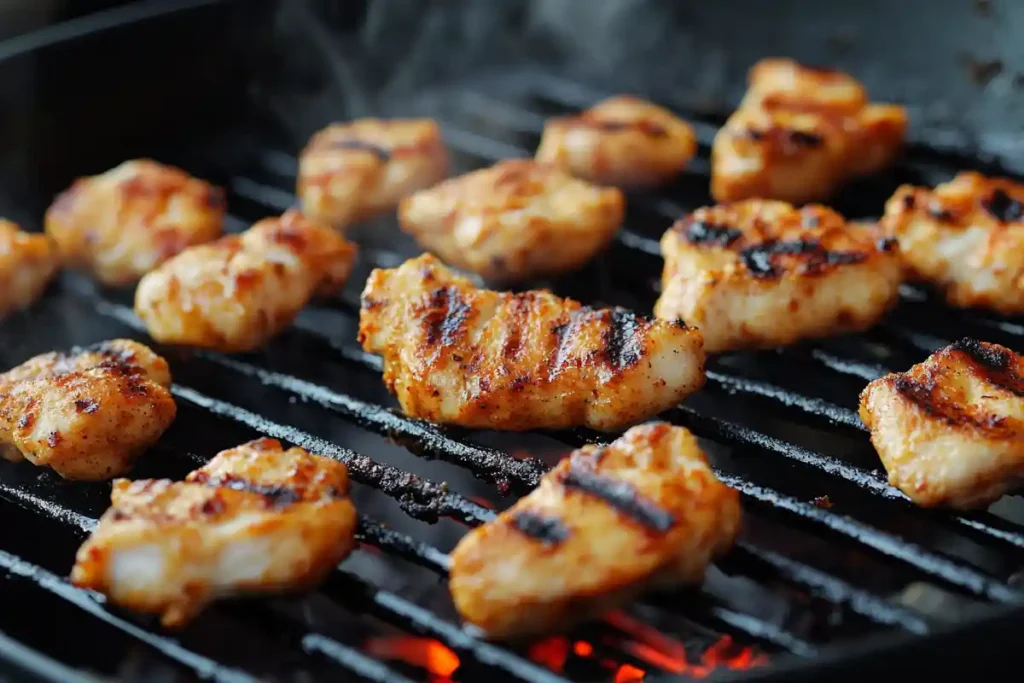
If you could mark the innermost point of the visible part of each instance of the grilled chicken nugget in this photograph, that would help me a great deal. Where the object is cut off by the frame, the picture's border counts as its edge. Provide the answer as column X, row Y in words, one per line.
column 242, row 290
column 351, row 171
column 493, row 360
column 643, row 512
column 256, row 519
column 121, row 224
column 27, row 264
column 622, row 141
column 950, row 431
column 966, row 237
column 761, row 273
column 514, row 221
column 800, row 133
column 86, row 414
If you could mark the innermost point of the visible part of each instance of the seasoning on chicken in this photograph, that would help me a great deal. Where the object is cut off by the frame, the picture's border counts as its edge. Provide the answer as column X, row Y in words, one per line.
column 86, row 414
column 950, row 431
column 965, row 237
column 27, row 264
column 514, row 221
column 350, row 171
column 531, row 360
column 237, row 293
column 622, row 141
column 609, row 522
column 800, row 133
column 123, row 223
column 761, row 273
column 256, row 519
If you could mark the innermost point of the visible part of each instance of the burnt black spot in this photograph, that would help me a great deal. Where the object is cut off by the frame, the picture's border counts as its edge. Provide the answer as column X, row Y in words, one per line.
column 448, row 315
column 623, row 339
column 699, row 232
column 759, row 262
column 86, row 405
column 1003, row 207
column 548, row 530
column 519, row 383
column 803, row 139
column 26, row 420
column 213, row 505
column 885, row 244
column 909, row 201
column 619, row 495
column 382, row 153
column 54, row 439
column 941, row 213
column 118, row 515
column 998, row 363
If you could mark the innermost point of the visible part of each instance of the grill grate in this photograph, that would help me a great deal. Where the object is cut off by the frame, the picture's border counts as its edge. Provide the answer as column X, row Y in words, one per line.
column 970, row 555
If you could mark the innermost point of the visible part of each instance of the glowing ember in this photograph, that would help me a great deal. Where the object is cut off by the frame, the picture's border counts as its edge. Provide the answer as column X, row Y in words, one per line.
column 425, row 653
column 628, row 673
column 583, row 649
column 551, row 652
column 723, row 654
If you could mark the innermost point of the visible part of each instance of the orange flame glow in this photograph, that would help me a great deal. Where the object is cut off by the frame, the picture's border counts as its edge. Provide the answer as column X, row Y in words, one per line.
column 649, row 648
column 438, row 660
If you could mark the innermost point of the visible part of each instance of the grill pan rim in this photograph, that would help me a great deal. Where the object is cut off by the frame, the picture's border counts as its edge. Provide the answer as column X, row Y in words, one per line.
column 845, row 655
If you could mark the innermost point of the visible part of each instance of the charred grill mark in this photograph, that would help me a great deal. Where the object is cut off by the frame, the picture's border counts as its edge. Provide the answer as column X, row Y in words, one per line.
column 700, row 232
column 562, row 341
column 619, row 495
column 383, row 154
column 803, row 139
column 1003, row 207
column 276, row 496
column 446, row 317
column 623, row 339
column 550, row 531
column 927, row 395
column 645, row 126
column 519, row 311
column 760, row 259
column 995, row 363
column 941, row 213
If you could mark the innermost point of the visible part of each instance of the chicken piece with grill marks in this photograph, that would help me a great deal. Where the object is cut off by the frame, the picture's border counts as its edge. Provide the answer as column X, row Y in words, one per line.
column 351, row 171
column 621, row 141
column 240, row 291
column 762, row 273
column 27, row 264
column 86, row 414
column 800, row 133
column 514, row 221
column 643, row 512
column 950, row 431
column 123, row 223
column 255, row 519
column 494, row 360
column 966, row 237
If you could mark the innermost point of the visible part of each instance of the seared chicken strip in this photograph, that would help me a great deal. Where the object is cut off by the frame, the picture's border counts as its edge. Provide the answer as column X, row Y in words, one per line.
column 761, row 273
column 950, row 431
column 643, row 512
column 351, row 171
column 27, row 264
column 966, row 237
column 86, row 414
column 495, row 360
column 237, row 293
column 800, row 133
column 257, row 518
column 622, row 141
column 514, row 221
column 123, row 223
